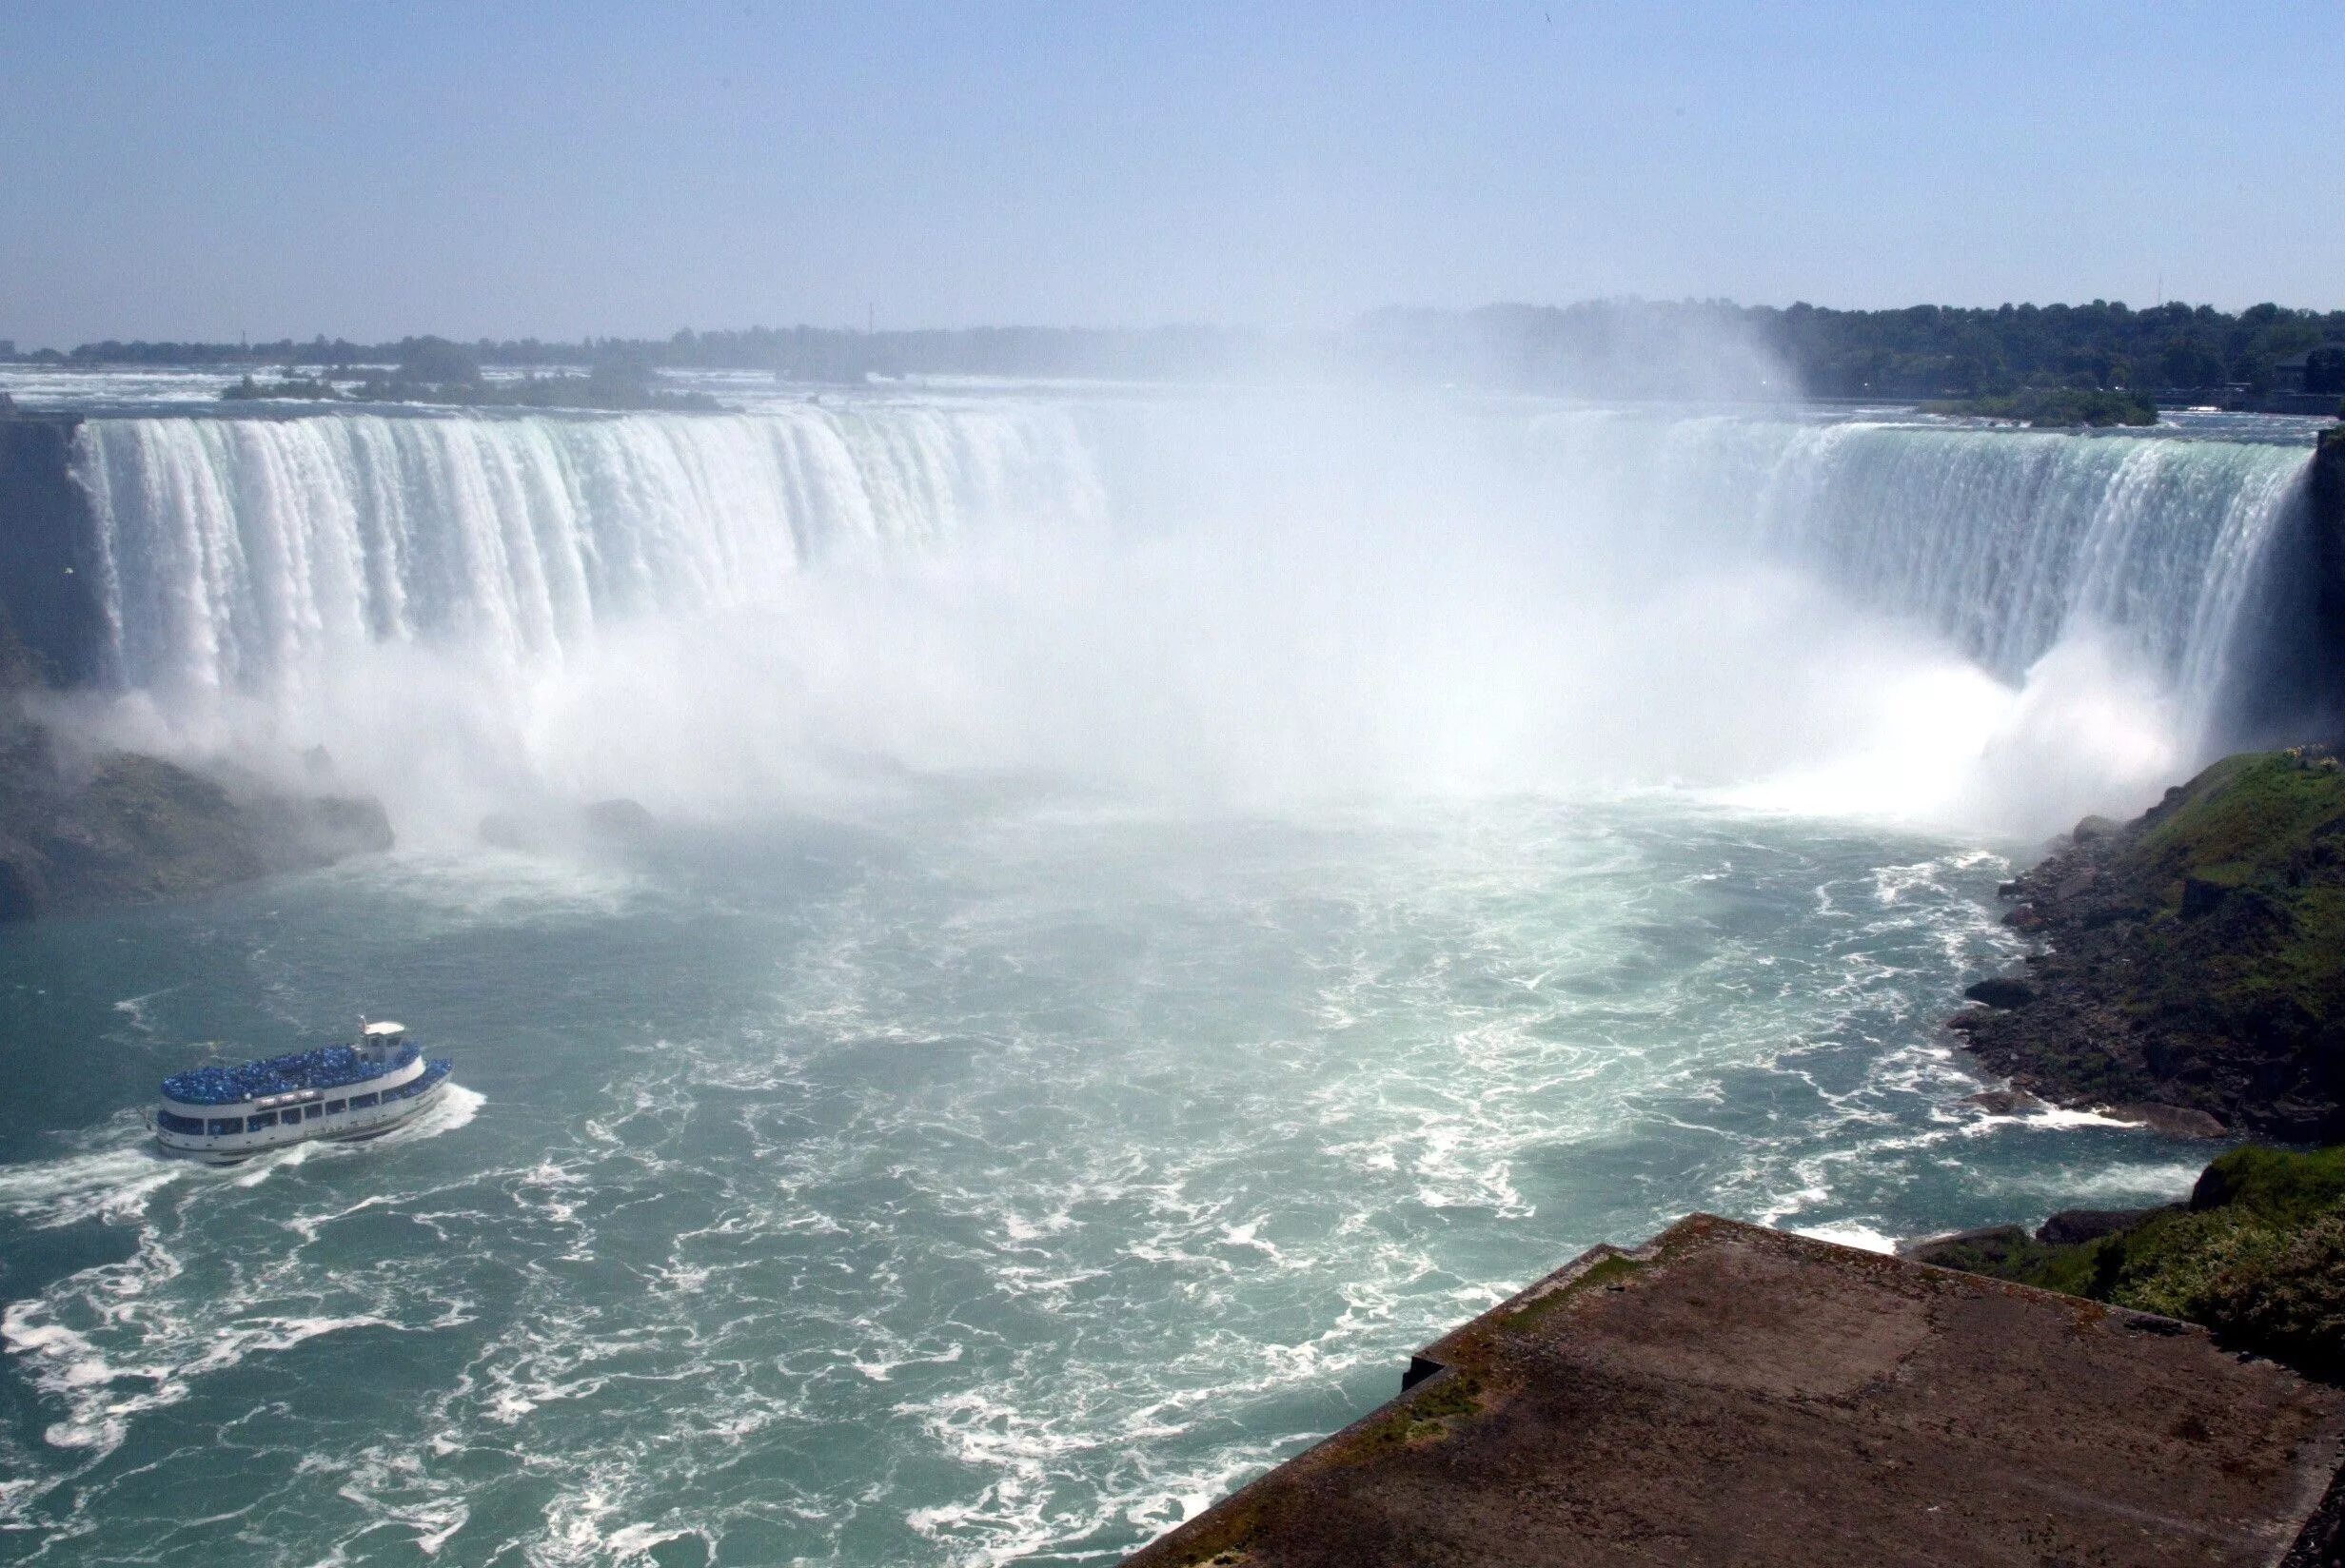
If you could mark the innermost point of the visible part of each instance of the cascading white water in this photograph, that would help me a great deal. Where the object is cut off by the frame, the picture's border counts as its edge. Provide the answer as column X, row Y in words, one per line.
column 2003, row 541
column 987, row 1170
column 1182, row 590
column 247, row 553
column 2006, row 541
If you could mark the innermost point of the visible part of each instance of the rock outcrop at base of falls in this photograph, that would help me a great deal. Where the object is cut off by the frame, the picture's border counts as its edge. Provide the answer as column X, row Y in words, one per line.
column 87, row 832
column 2194, row 967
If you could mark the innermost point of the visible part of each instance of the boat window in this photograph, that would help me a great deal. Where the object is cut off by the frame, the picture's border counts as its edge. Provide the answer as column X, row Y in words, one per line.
column 265, row 1119
column 361, row 1102
column 313, row 1113
column 170, row 1123
column 334, row 1108
column 221, row 1126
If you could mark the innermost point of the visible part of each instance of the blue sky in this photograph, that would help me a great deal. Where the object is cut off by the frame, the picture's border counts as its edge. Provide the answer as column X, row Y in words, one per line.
column 188, row 171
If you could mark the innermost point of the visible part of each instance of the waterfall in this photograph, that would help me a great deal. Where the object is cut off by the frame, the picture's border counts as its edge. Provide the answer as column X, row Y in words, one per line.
column 238, row 554
column 1188, row 591
column 2004, row 541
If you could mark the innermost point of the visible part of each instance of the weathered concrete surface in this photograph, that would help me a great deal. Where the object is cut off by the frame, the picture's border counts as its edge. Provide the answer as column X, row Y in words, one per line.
column 1735, row 1395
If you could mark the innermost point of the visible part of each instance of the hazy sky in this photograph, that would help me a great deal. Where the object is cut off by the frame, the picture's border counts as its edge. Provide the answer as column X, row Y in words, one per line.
column 198, row 170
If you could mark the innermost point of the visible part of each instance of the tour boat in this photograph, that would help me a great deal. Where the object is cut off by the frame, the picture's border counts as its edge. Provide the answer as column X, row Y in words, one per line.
column 223, row 1114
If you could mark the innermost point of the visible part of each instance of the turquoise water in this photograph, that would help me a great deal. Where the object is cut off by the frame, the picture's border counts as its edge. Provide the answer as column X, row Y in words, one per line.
column 994, row 1176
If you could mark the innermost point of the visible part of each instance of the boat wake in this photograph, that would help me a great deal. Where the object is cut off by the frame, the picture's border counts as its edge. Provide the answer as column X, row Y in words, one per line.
column 113, row 1182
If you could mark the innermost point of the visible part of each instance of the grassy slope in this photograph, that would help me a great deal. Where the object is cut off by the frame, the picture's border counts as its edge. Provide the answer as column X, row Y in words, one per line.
column 2258, row 1257
column 2196, row 956
column 2263, row 953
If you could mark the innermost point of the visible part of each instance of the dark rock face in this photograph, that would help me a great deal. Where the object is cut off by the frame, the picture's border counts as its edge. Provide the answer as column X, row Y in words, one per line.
column 606, row 827
column 139, row 828
column 49, row 577
column 620, row 821
column 2002, row 991
column 2326, row 496
column 2193, row 973
column 1967, row 1250
column 1997, row 1102
column 85, row 834
column 2173, row 1121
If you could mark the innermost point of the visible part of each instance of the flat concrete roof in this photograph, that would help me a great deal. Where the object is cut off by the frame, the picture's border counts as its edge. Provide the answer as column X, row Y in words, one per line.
column 1728, row 1394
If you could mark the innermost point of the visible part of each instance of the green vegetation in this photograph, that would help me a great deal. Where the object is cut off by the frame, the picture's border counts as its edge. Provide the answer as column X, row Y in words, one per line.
column 601, row 388
column 2196, row 957
column 1927, row 351
column 2258, row 1257
column 313, row 389
column 436, row 362
column 2246, row 939
column 433, row 370
column 1603, row 1272
column 2173, row 352
column 2057, row 407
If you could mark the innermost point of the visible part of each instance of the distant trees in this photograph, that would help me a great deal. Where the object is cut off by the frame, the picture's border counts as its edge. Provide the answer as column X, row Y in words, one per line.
column 1932, row 351
column 436, row 362
column 2057, row 407
column 1618, row 347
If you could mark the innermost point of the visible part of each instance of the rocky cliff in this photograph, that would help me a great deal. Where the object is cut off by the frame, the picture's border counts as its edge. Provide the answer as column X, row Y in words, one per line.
column 2194, row 959
column 48, row 577
column 2326, row 486
column 81, row 831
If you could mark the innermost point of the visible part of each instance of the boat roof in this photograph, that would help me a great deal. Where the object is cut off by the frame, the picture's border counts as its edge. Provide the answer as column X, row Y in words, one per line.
column 328, row 1067
column 386, row 1026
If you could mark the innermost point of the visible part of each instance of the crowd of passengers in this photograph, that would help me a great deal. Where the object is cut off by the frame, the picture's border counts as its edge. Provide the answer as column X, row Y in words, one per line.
column 328, row 1067
column 221, row 1126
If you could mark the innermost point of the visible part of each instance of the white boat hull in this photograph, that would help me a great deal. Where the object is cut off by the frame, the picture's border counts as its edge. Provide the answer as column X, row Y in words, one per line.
column 347, row 1126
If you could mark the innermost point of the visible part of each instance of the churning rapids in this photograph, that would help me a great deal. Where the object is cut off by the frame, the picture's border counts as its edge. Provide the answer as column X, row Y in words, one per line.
column 1161, row 904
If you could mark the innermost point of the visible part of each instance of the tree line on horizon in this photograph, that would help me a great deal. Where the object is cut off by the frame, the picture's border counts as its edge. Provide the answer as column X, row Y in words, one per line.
column 1626, row 347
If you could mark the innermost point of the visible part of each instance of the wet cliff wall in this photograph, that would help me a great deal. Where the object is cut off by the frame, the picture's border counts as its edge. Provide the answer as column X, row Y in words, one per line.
column 2325, row 487
column 48, row 576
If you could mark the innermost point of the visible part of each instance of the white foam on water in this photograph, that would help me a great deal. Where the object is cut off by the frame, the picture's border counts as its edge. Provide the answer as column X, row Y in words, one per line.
column 110, row 1184
column 1864, row 1238
column 1256, row 921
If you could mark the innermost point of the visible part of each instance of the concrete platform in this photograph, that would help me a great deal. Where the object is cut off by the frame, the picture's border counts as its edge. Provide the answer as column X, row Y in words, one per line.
column 1728, row 1394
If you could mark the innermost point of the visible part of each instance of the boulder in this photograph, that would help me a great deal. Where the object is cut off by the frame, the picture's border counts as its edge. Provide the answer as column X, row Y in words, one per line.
column 84, row 833
column 2073, row 1226
column 603, row 826
column 2001, row 990
column 621, row 821
column 2173, row 1121
column 1967, row 1249
column 2004, row 1102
